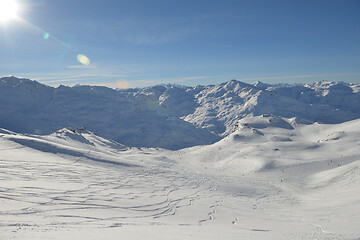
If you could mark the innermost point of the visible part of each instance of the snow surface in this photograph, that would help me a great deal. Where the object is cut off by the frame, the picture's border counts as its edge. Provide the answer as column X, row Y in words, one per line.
column 260, row 182
column 257, row 166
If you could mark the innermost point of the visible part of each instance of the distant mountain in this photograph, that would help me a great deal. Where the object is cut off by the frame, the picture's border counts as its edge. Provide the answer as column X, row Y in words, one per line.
column 221, row 105
column 168, row 116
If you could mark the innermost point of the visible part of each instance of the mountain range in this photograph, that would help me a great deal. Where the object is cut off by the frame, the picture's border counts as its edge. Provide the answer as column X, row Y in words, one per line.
column 251, row 161
column 170, row 116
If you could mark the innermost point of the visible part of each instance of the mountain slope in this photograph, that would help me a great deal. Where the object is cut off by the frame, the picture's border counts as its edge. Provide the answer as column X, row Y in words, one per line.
column 133, row 119
column 170, row 117
column 222, row 105
column 271, row 178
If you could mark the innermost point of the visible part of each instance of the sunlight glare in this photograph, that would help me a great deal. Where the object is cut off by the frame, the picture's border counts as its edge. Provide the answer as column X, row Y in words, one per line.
column 8, row 10
column 83, row 59
column 46, row 35
column 122, row 84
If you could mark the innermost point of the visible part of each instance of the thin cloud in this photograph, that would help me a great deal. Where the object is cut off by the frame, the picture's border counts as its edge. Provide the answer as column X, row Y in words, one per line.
column 301, row 76
column 81, row 66
column 124, row 84
column 79, row 77
column 162, row 81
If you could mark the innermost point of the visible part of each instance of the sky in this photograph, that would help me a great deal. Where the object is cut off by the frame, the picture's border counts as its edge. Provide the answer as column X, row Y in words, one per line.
column 138, row 43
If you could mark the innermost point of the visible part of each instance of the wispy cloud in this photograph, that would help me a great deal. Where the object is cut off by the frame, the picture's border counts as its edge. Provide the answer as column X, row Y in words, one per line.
column 148, row 82
column 123, row 83
column 81, row 66
column 301, row 76
column 78, row 77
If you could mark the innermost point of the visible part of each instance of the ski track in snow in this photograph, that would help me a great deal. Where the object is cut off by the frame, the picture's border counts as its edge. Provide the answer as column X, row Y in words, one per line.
column 51, row 194
column 54, row 193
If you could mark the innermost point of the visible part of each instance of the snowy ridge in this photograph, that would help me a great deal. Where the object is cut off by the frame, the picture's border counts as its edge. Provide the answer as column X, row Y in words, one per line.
column 168, row 116
column 131, row 118
column 72, row 137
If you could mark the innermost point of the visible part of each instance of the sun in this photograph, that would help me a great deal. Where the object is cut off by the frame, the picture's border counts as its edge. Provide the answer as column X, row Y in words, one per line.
column 8, row 10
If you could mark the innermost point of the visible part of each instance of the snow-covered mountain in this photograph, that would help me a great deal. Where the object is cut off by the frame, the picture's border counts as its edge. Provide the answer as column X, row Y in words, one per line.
column 271, row 178
column 171, row 117
column 264, row 168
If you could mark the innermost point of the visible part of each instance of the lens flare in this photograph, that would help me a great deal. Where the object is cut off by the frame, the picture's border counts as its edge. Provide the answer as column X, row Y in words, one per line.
column 83, row 59
column 8, row 10
column 122, row 84
column 46, row 36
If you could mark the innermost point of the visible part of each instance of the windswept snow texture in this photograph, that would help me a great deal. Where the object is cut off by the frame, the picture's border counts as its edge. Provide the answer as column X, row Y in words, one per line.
column 170, row 117
column 271, row 178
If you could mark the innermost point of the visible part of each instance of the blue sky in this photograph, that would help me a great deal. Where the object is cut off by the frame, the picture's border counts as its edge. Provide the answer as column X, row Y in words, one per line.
column 139, row 43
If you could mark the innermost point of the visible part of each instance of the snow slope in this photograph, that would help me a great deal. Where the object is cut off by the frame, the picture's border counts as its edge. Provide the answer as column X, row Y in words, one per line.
column 270, row 178
column 170, row 117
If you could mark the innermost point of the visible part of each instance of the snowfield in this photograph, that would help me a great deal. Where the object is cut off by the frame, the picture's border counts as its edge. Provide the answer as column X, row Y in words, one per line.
column 266, row 183
column 228, row 169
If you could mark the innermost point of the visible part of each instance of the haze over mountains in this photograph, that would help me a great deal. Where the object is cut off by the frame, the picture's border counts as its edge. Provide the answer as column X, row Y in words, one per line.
column 171, row 117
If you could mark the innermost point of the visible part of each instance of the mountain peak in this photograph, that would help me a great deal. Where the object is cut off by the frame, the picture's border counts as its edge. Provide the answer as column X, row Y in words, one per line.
column 13, row 81
column 260, row 85
column 236, row 84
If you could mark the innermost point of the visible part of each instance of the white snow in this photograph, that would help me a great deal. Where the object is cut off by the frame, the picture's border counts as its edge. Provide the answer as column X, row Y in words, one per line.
column 262, row 173
column 169, row 117
column 253, row 184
